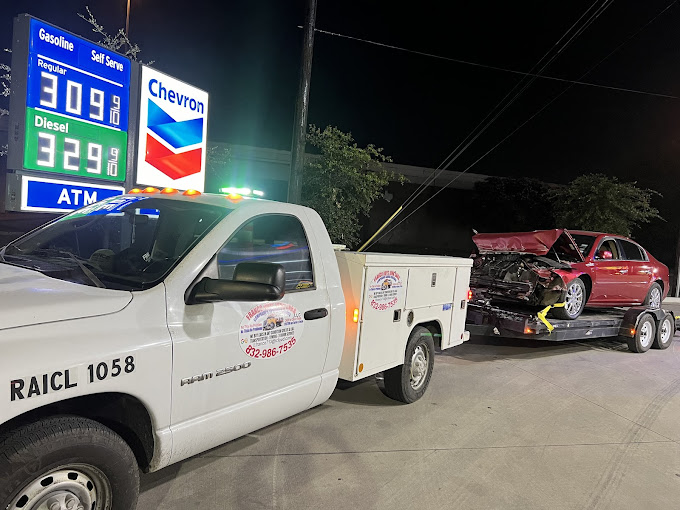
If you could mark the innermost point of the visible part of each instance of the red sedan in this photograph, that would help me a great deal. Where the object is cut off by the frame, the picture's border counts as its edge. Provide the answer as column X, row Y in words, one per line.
column 578, row 268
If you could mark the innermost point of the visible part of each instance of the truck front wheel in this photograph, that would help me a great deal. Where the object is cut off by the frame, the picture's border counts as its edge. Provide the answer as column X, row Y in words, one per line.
column 67, row 463
column 408, row 382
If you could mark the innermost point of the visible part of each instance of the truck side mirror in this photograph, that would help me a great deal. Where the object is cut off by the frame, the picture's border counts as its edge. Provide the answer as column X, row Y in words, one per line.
column 252, row 281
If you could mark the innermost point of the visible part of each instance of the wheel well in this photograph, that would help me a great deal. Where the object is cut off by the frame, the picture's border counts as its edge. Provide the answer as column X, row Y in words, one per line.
column 660, row 282
column 122, row 413
column 435, row 328
column 589, row 285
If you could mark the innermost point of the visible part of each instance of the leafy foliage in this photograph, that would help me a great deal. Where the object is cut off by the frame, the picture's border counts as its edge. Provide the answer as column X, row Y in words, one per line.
column 119, row 42
column 512, row 204
column 604, row 204
column 342, row 182
column 217, row 158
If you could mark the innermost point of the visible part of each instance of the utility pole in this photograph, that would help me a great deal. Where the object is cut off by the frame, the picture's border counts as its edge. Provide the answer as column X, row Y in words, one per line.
column 297, row 154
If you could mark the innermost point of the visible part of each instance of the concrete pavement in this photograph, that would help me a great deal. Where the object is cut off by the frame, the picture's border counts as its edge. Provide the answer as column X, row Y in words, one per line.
column 504, row 425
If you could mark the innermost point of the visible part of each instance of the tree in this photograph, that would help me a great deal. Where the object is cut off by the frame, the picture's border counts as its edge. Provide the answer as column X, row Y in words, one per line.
column 604, row 204
column 342, row 181
column 512, row 204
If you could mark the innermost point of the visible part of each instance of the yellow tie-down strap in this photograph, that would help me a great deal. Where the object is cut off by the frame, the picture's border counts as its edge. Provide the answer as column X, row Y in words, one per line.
column 541, row 315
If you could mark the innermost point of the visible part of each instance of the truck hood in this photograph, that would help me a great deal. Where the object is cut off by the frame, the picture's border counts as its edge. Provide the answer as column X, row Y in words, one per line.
column 28, row 297
column 538, row 242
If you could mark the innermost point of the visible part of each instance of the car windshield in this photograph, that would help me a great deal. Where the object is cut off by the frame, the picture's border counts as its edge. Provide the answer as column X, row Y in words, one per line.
column 126, row 243
column 584, row 242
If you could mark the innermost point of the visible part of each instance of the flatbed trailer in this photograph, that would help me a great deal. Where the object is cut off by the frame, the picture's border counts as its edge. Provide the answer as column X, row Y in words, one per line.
column 638, row 326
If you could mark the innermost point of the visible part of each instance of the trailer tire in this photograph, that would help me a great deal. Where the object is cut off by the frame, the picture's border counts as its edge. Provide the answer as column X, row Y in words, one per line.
column 665, row 332
column 67, row 462
column 644, row 334
column 408, row 382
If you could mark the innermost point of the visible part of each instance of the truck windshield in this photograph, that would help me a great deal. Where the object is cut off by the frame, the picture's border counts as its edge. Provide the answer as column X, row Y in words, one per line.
column 125, row 243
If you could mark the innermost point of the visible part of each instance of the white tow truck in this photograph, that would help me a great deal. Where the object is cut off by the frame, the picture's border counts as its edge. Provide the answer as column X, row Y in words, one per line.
column 150, row 327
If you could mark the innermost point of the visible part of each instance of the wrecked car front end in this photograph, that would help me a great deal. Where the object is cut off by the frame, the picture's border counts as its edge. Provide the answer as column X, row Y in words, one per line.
column 533, row 268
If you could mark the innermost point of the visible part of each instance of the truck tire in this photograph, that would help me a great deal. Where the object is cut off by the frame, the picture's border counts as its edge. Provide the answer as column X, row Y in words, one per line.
column 665, row 332
column 67, row 462
column 408, row 382
column 644, row 334
column 574, row 299
column 653, row 298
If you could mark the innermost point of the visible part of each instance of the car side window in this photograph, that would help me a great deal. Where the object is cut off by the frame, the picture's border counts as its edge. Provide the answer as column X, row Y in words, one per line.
column 631, row 251
column 272, row 238
column 607, row 247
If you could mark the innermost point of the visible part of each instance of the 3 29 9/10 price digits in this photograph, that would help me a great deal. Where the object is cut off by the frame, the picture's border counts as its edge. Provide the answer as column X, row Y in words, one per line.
column 73, row 150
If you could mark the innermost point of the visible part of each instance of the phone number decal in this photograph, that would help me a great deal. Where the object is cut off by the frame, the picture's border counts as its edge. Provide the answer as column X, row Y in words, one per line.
column 270, row 330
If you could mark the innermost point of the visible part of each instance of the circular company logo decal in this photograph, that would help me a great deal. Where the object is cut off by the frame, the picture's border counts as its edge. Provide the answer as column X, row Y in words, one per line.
column 270, row 330
column 384, row 290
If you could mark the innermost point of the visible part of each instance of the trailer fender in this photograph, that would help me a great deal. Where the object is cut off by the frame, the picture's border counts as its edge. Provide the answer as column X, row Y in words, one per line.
column 632, row 317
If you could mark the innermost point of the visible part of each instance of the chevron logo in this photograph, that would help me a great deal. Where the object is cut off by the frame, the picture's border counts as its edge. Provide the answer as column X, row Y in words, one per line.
column 166, row 131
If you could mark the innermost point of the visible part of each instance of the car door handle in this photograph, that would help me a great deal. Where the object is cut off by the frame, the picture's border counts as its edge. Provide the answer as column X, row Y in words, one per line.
column 317, row 313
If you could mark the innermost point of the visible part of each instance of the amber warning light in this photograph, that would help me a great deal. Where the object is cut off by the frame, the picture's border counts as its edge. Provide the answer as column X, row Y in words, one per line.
column 355, row 316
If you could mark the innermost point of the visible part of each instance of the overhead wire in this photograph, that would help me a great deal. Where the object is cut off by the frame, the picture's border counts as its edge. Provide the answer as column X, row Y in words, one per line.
column 495, row 68
column 486, row 122
column 457, row 151
column 538, row 112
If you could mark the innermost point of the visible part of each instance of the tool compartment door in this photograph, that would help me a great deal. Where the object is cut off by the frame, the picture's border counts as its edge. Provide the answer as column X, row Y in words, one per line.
column 430, row 286
column 382, row 339
column 457, row 333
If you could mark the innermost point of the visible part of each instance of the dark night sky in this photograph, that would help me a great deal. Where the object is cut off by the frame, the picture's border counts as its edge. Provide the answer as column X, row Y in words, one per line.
column 247, row 55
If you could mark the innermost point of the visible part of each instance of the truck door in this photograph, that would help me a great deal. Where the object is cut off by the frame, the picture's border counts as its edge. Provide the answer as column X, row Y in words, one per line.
column 231, row 354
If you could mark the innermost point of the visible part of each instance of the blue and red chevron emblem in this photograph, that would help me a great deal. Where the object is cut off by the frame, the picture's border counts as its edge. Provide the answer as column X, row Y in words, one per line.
column 177, row 134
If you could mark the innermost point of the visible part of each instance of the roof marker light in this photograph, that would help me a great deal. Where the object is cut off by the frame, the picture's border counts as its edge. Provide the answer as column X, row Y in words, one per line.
column 191, row 193
column 234, row 198
column 134, row 191
column 168, row 191
column 150, row 189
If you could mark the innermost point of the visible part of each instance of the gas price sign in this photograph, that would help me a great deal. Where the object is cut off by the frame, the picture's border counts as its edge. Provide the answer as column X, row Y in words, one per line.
column 76, row 105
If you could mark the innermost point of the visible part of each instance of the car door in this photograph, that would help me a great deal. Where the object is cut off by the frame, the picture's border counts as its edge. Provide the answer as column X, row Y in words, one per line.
column 640, row 271
column 232, row 355
column 611, row 273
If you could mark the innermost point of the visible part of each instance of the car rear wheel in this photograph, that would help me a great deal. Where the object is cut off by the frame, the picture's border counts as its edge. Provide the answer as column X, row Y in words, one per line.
column 653, row 299
column 574, row 299
column 645, row 333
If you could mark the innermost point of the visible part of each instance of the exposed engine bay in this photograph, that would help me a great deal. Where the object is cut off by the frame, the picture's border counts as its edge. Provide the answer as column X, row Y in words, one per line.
column 531, row 279
column 526, row 267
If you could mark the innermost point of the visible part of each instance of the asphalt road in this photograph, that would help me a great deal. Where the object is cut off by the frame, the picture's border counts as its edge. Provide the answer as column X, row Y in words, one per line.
column 504, row 425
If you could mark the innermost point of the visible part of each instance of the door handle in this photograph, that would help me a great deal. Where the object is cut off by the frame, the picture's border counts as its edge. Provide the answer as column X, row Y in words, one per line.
column 317, row 313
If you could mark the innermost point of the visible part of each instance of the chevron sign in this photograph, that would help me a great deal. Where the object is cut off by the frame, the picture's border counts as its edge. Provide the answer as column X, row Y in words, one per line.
column 172, row 134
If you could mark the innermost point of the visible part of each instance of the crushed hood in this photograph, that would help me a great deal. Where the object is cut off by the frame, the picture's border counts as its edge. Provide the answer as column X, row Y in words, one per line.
column 28, row 297
column 538, row 242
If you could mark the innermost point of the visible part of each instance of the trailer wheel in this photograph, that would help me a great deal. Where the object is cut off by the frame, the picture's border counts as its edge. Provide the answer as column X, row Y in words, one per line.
column 644, row 334
column 408, row 382
column 665, row 332
column 67, row 463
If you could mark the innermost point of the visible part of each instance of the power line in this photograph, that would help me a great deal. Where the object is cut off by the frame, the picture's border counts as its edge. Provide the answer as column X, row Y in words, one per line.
column 605, row 4
column 496, row 68
column 530, row 118
column 481, row 127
